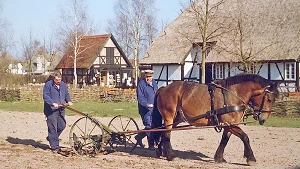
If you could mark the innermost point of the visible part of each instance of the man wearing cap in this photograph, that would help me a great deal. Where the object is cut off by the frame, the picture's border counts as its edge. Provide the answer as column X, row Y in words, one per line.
column 146, row 90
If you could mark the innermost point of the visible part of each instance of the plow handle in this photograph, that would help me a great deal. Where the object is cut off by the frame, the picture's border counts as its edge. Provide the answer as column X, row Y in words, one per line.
column 74, row 110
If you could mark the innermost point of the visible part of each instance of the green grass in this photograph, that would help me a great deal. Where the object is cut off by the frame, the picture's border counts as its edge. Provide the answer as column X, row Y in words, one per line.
column 274, row 121
column 91, row 107
column 112, row 109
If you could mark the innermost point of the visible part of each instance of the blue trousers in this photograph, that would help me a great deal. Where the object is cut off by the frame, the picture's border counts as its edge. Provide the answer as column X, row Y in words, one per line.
column 56, row 123
column 147, row 120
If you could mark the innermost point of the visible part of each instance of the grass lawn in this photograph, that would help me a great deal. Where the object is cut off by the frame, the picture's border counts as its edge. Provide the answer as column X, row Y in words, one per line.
column 91, row 107
column 128, row 108
column 274, row 121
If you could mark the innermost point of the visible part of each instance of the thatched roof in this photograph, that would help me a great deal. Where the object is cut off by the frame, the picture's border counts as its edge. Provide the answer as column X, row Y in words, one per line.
column 89, row 47
column 271, row 31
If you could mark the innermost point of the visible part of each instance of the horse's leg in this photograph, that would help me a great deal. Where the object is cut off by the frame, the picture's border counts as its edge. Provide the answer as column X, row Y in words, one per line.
column 248, row 153
column 166, row 146
column 220, row 151
column 159, row 150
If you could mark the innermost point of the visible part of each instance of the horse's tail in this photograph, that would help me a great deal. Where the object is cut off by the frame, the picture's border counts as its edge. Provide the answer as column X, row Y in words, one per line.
column 156, row 118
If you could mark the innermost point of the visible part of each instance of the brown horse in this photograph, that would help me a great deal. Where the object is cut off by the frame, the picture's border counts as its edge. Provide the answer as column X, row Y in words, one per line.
column 216, row 104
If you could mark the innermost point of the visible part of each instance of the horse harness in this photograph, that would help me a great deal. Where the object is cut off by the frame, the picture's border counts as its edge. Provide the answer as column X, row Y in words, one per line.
column 226, row 109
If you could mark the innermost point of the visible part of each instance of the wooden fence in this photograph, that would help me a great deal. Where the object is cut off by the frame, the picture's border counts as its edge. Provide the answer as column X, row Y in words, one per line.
column 93, row 93
column 287, row 105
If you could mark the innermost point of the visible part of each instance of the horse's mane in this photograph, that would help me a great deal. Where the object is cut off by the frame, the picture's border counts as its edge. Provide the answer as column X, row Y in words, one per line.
column 240, row 78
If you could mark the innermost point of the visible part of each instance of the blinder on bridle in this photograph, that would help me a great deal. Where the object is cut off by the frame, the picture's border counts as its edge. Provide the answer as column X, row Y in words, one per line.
column 257, row 112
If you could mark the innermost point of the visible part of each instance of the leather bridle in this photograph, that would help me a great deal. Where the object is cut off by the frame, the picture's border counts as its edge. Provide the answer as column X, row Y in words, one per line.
column 257, row 112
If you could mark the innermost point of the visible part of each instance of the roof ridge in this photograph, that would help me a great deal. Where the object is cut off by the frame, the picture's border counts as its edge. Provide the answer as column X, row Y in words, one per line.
column 97, row 36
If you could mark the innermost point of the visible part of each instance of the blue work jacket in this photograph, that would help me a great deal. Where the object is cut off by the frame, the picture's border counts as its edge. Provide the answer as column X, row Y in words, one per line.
column 51, row 94
column 145, row 94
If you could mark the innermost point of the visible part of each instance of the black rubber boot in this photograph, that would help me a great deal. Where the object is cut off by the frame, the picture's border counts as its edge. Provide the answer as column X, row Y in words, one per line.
column 139, row 137
column 150, row 143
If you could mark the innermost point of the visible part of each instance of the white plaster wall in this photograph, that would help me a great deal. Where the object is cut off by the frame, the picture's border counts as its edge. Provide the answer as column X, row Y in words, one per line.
column 123, row 61
column 263, row 72
column 188, row 69
column 174, row 72
column 157, row 70
column 275, row 73
column 196, row 52
column 234, row 69
column 189, row 58
column 116, row 51
column 110, row 43
column 97, row 60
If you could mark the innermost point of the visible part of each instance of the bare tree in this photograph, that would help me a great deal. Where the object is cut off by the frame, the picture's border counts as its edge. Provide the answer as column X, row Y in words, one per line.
column 206, row 14
column 120, row 27
column 136, row 15
column 31, row 49
column 75, row 26
column 150, row 30
column 48, row 53
column 6, row 43
column 52, row 51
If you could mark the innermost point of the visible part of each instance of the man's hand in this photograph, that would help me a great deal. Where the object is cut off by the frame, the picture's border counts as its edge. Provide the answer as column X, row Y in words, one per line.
column 55, row 105
column 70, row 103
column 150, row 106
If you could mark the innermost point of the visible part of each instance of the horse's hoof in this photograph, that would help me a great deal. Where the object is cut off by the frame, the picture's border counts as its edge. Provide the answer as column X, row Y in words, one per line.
column 171, row 157
column 251, row 163
column 221, row 160
column 158, row 153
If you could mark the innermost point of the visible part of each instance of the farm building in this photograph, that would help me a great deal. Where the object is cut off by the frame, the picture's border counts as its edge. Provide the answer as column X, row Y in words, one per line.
column 262, row 37
column 100, row 61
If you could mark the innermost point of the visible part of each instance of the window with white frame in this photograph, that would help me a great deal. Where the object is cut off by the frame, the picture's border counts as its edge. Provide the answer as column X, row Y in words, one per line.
column 219, row 71
column 290, row 70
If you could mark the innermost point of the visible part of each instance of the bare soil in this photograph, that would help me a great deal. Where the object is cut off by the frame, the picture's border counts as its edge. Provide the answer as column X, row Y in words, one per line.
column 23, row 145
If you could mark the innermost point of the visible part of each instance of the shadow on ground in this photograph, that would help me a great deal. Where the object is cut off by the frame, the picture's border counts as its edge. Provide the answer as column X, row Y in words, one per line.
column 31, row 142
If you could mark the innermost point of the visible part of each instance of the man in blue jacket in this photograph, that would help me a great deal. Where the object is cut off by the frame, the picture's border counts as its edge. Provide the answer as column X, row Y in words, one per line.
column 55, row 93
column 146, row 90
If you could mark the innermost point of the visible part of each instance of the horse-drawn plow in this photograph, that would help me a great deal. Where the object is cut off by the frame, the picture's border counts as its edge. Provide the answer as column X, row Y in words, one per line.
column 88, row 136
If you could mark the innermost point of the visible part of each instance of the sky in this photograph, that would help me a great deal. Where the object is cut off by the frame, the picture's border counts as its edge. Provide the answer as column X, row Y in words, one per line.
column 36, row 16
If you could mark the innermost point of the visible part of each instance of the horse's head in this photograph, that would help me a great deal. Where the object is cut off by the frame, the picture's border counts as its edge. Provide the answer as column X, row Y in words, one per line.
column 262, row 101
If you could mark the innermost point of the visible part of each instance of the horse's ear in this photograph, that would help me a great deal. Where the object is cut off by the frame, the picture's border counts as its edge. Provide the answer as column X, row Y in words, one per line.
column 260, row 91
column 275, row 85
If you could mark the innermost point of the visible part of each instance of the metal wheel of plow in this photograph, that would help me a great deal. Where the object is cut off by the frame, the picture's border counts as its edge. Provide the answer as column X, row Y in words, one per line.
column 121, row 138
column 87, row 136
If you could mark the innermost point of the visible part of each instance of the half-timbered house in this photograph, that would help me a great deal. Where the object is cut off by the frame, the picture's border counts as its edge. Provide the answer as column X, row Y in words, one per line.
column 270, row 43
column 100, row 61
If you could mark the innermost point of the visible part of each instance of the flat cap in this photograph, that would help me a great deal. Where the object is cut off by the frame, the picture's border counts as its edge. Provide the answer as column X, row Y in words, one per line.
column 148, row 71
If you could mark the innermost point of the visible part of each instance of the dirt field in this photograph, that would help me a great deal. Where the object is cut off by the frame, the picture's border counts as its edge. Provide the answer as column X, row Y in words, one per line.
column 23, row 145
